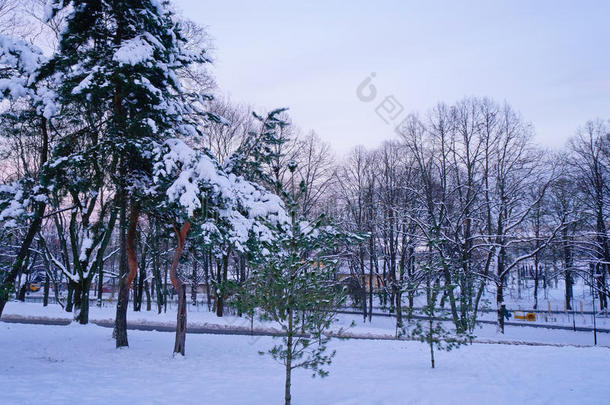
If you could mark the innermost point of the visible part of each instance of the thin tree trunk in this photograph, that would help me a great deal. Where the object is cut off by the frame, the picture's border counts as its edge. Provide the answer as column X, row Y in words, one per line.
column 371, row 257
column 536, row 277
column 287, row 396
column 206, row 274
column 398, row 297
column 136, row 292
column 127, row 274
column 23, row 287
column 222, row 277
column 140, row 284
column 501, row 306
column 180, row 287
column 147, row 288
column 45, row 297
column 180, row 342
column 100, row 286
column 431, row 340
column 567, row 254
column 194, row 283
column 165, row 291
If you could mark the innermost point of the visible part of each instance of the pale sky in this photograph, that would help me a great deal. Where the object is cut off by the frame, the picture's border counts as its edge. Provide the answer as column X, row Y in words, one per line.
column 549, row 59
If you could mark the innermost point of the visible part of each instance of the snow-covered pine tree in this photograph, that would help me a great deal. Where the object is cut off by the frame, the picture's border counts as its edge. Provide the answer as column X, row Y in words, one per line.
column 213, row 208
column 252, row 160
column 294, row 284
column 23, row 202
column 123, row 58
column 257, row 152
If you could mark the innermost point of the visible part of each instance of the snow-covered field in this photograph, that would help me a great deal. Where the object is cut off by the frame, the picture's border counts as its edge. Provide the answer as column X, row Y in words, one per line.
column 79, row 364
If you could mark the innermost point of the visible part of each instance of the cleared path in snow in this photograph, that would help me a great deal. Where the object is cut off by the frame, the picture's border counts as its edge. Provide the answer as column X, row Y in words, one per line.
column 240, row 331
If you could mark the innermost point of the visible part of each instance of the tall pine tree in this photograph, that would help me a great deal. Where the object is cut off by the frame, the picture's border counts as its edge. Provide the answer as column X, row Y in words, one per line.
column 123, row 58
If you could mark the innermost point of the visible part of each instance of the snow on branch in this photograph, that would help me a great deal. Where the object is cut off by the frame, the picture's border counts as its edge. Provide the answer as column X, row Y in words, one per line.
column 19, row 66
column 191, row 177
column 135, row 51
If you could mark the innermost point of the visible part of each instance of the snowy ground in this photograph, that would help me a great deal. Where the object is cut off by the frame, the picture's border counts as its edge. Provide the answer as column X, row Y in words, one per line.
column 79, row 364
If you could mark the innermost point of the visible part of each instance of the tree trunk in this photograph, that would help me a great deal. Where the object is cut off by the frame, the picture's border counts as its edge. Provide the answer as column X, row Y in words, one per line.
column 601, row 286
column 398, row 297
column 222, row 277
column 83, row 314
column 165, row 292
column 430, row 339
column 569, row 294
column 206, row 274
column 218, row 293
column 518, row 283
column 287, row 396
column 77, row 296
column 136, row 293
column 141, row 277
column 180, row 341
column 362, row 282
column 70, row 297
column 500, row 305
column 194, row 283
column 147, row 288
column 45, row 297
column 127, row 272
column 567, row 257
column 100, row 286
column 219, row 305
column 371, row 257
column 536, row 289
